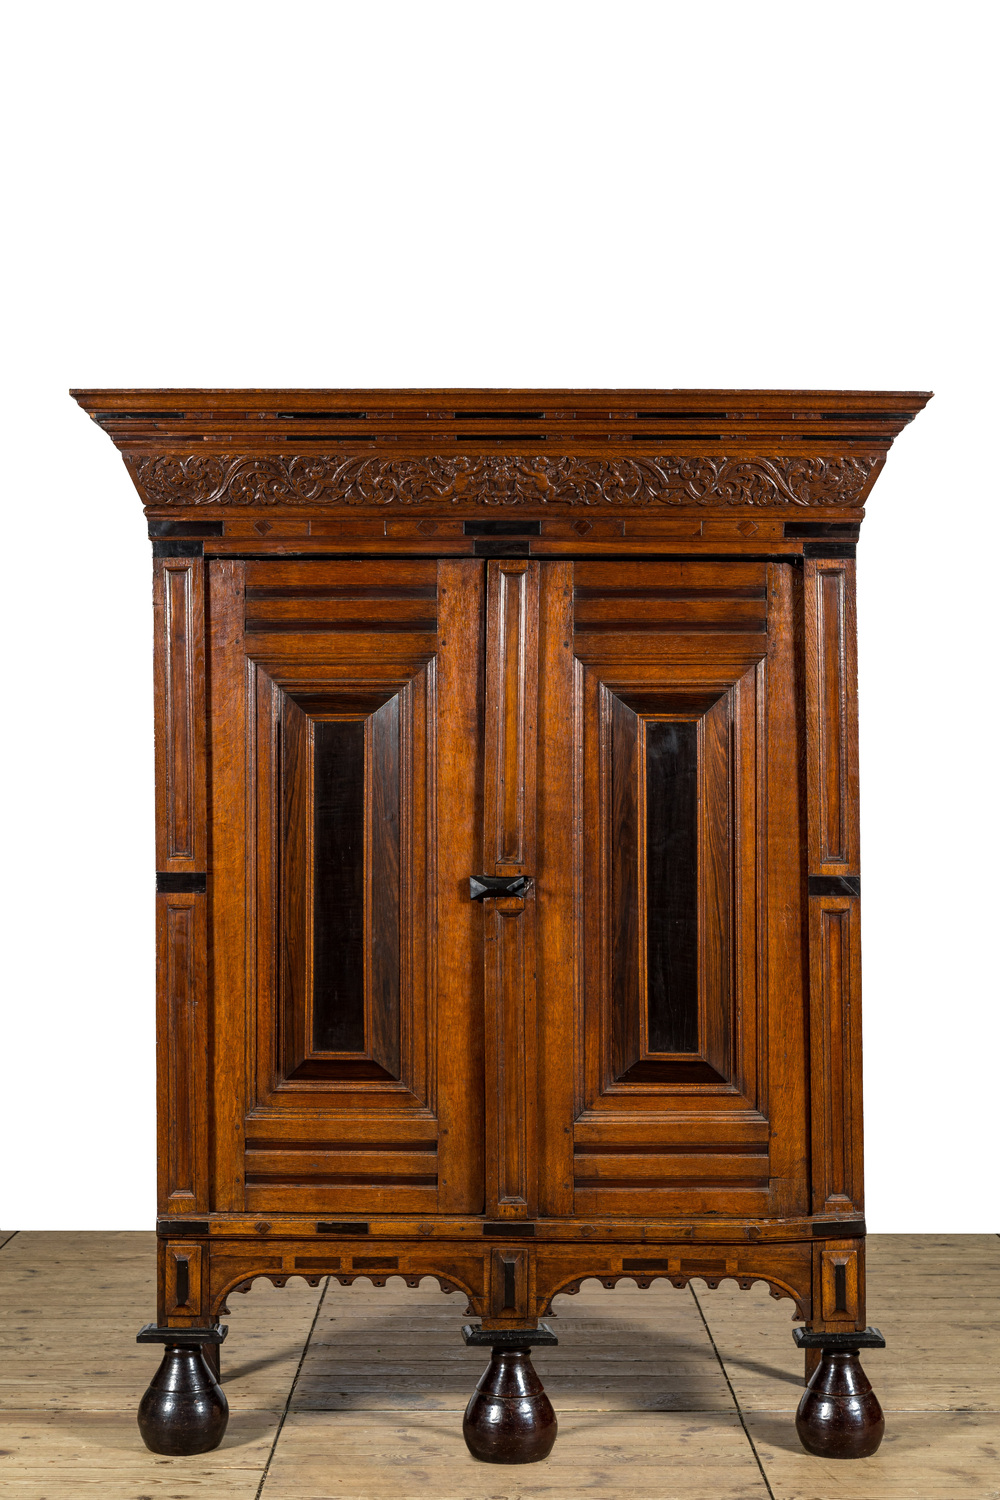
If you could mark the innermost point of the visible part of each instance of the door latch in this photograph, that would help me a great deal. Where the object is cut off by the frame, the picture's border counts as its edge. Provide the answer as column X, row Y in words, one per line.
column 483, row 886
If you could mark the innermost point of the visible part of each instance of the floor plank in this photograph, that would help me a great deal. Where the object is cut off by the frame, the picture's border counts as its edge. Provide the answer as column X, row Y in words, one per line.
column 55, row 1455
column 619, row 1350
column 603, row 1456
column 924, row 1456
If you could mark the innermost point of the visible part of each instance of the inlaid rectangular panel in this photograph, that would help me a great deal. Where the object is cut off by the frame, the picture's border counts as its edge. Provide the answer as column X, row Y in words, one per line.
column 831, row 715
column 839, row 1285
column 669, row 800
column 342, row 928
column 179, row 713
column 835, row 1031
column 338, row 905
column 181, row 1051
column 671, row 894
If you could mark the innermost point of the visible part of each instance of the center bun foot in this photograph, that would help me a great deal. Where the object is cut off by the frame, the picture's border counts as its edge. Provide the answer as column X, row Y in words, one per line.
column 510, row 1418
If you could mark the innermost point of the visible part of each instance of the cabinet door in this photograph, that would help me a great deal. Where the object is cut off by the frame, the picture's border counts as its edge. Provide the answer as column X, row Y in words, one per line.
column 669, row 891
column 345, row 747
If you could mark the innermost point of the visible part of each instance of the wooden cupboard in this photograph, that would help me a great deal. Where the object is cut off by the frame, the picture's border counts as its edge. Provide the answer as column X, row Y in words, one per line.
column 507, row 859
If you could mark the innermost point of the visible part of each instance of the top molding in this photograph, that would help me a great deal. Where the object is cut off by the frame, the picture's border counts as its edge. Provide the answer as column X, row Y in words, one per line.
column 542, row 449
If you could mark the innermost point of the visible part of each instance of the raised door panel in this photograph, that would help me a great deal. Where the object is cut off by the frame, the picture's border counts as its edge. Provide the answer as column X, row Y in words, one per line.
column 681, row 835
column 346, row 703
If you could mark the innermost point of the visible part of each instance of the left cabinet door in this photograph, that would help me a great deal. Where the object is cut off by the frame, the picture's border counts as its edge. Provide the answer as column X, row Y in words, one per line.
column 346, row 966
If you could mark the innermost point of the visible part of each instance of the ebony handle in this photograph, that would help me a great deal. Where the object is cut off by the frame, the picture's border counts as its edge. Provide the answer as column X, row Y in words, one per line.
column 481, row 887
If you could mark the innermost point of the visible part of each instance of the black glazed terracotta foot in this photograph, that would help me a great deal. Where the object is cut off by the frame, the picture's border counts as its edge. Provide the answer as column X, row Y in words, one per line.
column 509, row 1419
column 184, row 1410
column 839, row 1415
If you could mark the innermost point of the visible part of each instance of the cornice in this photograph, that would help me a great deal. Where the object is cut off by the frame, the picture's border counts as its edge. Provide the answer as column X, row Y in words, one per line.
column 467, row 448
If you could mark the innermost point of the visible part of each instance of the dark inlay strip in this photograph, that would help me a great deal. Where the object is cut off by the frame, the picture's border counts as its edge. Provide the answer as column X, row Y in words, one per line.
column 631, row 1185
column 509, row 1284
column 178, row 549
column 366, row 626
column 170, row 883
column 501, row 549
column 670, row 627
column 186, row 528
column 312, row 1147
column 672, row 885
column 183, row 1279
column 141, row 416
column 346, row 591
column 338, row 884
column 375, row 1262
column 661, row 1148
column 645, row 1265
column 172, row 1229
column 337, row 1179
column 515, row 1228
column 835, row 885
column 326, row 1227
column 829, row 549
column 318, row 1262
column 684, row 592
column 677, row 416
column 849, row 530
column 840, row 1288
column 848, row 1229
column 502, row 528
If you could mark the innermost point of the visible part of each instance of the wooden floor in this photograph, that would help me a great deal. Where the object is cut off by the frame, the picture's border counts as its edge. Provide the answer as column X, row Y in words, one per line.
column 353, row 1392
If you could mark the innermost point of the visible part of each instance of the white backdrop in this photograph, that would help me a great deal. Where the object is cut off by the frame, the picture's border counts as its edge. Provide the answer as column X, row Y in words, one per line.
column 438, row 194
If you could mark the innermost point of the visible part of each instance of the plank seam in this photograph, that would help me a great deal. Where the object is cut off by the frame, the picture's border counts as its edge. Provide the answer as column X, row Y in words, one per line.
column 729, row 1384
column 291, row 1389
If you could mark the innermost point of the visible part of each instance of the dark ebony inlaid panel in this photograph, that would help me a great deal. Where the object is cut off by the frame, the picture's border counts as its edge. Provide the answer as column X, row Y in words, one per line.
column 672, row 885
column 339, row 886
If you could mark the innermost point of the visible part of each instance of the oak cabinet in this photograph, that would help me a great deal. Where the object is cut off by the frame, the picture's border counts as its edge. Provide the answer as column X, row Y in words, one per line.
column 507, row 853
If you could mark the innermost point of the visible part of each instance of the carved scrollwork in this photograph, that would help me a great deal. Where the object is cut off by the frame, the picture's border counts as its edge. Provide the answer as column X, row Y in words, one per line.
column 500, row 479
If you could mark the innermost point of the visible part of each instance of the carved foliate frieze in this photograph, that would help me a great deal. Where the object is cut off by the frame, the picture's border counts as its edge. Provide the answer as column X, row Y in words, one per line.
column 500, row 479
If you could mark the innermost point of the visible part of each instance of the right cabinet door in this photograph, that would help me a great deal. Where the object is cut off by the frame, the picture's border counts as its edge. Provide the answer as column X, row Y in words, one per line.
column 670, row 886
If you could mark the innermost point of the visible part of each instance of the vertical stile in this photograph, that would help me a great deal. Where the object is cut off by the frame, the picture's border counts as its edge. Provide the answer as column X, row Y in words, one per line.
column 833, row 859
column 509, row 849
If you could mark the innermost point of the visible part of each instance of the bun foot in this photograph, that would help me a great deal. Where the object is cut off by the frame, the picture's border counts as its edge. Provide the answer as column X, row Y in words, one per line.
column 839, row 1415
column 510, row 1419
column 184, row 1411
